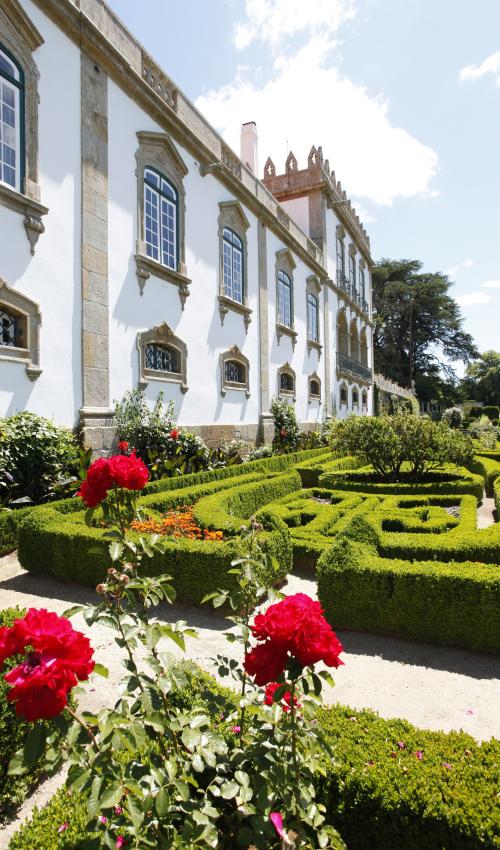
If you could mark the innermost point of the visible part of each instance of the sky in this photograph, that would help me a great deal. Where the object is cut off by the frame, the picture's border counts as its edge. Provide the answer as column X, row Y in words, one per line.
column 403, row 97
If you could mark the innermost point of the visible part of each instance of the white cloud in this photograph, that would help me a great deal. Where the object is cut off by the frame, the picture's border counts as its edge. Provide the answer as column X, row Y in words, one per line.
column 491, row 65
column 491, row 284
column 307, row 101
column 463, row 265
column 473, row 298
column 274, row 21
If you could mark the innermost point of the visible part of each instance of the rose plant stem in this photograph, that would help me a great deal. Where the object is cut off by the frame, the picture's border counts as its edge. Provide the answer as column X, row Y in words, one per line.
column 88, row 730
column 295, row 763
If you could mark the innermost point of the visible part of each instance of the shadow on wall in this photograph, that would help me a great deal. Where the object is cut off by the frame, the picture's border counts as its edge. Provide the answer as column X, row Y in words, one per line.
column 15, row 383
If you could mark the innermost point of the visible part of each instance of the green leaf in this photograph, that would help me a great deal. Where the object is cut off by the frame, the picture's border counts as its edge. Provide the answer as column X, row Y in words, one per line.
column 34, row 745
column 111, row 795
column 78, row 777
column 162, row 802
column 94, row 801
column 116, row 550
column 229, row 790
column 75, row 609
column 135, row 812
column 101, row 670
column 198, row 763
column 16, row 764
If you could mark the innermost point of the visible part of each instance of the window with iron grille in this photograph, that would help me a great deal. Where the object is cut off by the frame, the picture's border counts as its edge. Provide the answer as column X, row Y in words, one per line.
column 343, row 395
column 340, row 255
column 352, row 271
column 314, row 389
column 287, row 382
column 162, row 358
column 10, row 330
column 284, row 299
column 11, row 121
column 161, row 219
column 234, row 372
column 233, row 265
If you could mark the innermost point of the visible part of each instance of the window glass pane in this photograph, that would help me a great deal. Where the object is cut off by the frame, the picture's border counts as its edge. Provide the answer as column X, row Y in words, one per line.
column 162, row 359
column 168, row 233
column 312, row 317
column 314, row 388
column 233, row 265
column 152, row 177
column 7, row 66
column 9, row 134
column 151, row 222
column 287, row 383
column 284, row 299
column 340, row 255
column 234, row 372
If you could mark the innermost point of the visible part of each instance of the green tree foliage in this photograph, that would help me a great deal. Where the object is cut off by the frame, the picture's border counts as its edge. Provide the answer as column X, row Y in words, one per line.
column 286, row 428
column 482, row 378
column 418, row 329
column 389, row 442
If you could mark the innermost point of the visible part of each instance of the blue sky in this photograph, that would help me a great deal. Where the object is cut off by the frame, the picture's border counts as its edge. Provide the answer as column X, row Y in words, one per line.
column 404, row 98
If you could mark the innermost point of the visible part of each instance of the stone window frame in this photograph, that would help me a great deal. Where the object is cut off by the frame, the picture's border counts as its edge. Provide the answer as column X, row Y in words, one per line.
column 343, row 389
column 29, row 312
column 313, row 287
column 355, row 401
column 157, row 151
column 285, row 263
column 20, row 38
column 286, row 369
column 234, row 353
column 313, row 377
column 162, row 335
column 232, row 216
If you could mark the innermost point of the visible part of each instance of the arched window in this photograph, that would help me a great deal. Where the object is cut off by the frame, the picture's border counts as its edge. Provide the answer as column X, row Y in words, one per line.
column 233, row 265
column 234, row 370
column 11, row 122
column 162, row 357
column 364, row 400
column 343, row 394
column 355, row 398
column 285, row 313
column 161, row 219
column 286, row 381
column 314, row 387
column 20, row 322
column 340, row 256
column 352, row 272
column 363, row 345
column 342, row 334
column 354, row 341
column 312, row 318
column 362, row 285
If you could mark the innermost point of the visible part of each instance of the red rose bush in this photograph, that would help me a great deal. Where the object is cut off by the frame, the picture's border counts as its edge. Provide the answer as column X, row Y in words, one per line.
column 56, row 657
column 293, row 628
column 124, row 471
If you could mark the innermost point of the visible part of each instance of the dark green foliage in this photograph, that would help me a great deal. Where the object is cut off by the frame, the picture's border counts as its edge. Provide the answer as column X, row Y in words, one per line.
column 35, row 455
column 286, row 429
column 380, row 797
column 446, row 481
column 482, row 381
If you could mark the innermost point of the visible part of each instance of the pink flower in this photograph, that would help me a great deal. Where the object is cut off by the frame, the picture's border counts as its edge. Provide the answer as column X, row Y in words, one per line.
column 419, row 755
column 401, row 745
column 236, row 729
column 446, row 764
column 469, row 711
column 118, row 810
column 120, row 841
column 63, row 827
column 277, row 821
column 103, row 819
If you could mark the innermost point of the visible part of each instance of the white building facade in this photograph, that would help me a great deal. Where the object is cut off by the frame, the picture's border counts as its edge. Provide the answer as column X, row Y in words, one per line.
column 137, row 250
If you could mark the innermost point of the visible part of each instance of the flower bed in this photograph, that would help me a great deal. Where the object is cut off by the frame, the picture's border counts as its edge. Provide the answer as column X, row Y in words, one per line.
column 178, row 524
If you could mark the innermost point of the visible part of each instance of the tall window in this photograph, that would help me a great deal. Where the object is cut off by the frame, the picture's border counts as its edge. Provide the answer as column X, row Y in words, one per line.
column 352, row 271
column 312, row 317
column 161, row 219
column 362, row 283
column 284, row 299
column 340, row 256
column 233, row 265
column 11, row 110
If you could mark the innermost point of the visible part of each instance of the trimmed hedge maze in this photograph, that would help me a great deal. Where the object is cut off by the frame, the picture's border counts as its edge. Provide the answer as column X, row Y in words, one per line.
column 398, row 558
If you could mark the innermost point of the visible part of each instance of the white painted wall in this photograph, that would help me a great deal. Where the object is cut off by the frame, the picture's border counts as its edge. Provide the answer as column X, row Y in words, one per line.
column 52, row 276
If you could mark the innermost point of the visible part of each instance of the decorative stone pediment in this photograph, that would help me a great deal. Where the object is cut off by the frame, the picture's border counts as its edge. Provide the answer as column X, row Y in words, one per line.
column 159, row 150
column 232, row 215
column 285, row 261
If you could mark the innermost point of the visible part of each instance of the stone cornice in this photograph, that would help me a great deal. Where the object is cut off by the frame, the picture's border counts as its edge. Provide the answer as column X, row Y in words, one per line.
column 100, row 34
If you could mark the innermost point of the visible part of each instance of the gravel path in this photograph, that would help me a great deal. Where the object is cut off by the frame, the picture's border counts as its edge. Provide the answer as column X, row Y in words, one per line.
column 433, row 687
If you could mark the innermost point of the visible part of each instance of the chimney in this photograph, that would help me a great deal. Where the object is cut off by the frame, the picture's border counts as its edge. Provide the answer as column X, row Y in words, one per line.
column 248, row 145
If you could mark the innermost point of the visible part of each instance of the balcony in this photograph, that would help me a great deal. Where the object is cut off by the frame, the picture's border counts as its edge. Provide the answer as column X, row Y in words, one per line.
column 350, row 288
column 353, row 367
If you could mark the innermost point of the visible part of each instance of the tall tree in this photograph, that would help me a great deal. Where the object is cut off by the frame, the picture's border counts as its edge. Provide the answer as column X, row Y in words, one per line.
column 482, row 379
column 418, row 328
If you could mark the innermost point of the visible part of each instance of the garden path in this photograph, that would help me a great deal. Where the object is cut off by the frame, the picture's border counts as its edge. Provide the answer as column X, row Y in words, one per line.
column 432, row 686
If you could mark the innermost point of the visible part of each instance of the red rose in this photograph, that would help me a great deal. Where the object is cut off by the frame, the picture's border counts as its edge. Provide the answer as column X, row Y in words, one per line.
column 123, row 446
column 174, row 433
column 265, row 663
column 9, row 644
column 285, row 699
column 293, row 627
column 283, row 433
column 128, row 471
column 59, row 657
column 97, row 483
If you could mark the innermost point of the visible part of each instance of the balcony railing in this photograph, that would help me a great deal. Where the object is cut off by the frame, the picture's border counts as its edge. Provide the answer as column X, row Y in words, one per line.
column 353, row 367
column 350, row 288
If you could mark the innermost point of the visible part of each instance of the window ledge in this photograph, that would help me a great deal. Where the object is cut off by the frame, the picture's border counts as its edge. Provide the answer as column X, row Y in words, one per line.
column 314, row 398
column 232, row 386
column 32, row 210
column 226, row 304
column 170, row 378
column 21, row 355
column 287, row 394
column 283, row 330
column 312, row 344
column 145, row 267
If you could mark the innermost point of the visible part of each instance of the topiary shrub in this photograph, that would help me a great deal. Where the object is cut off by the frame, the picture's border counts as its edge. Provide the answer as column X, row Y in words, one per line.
column 286, row 428
column 453, row 417
column 386, row 443
column 35, row 456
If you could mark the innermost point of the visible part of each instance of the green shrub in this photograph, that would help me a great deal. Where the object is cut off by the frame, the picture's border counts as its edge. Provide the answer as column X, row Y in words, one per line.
column 388, row 442
column 450, row 603
column 286, row 429
column 453, row 417
column 446, row 481
column 377, row 792
column 36, row 455
column 491, row 411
